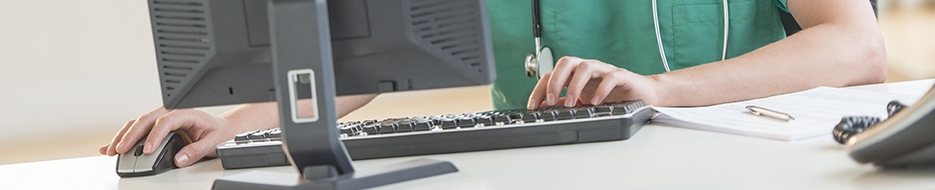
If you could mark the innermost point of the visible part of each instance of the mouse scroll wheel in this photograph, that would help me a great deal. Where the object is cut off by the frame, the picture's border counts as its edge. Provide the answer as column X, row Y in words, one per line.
column 139, row 151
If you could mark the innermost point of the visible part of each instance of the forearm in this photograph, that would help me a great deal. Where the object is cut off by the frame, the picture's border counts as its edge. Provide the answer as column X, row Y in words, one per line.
column 257, row 116
column 835, row 53
column 253, row 116
column 347, row 104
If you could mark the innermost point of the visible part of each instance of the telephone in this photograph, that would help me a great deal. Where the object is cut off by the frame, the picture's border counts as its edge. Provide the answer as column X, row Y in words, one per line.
column 907, row 138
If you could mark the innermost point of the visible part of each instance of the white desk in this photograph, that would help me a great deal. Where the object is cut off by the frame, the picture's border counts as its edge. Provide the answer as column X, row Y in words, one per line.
column 657, row 157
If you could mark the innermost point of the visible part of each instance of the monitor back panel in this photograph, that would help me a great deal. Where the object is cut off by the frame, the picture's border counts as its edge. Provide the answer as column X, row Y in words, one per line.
column 216, row 52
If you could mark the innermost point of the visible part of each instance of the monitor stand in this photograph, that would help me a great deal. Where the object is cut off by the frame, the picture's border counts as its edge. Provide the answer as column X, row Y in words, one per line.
column 303, row 67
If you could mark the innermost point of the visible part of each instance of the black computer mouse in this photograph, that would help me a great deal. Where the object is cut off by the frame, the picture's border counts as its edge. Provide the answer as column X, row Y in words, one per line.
column 134, row 163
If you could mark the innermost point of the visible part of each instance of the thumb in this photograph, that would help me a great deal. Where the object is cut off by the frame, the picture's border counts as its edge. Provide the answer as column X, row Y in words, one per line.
column 193, row 152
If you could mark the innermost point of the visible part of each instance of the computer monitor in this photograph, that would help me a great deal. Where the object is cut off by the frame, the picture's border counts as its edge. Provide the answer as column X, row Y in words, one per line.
column 218, row 52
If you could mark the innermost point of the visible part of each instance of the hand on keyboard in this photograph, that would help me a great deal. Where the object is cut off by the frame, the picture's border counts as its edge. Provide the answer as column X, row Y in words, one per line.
column 204, row 129
column 592, row 82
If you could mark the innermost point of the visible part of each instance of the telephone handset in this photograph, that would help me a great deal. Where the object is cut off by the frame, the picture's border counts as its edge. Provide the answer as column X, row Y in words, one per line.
column 906, row 138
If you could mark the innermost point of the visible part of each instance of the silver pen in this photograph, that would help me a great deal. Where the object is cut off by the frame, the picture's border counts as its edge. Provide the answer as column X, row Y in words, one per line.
column 755, row 110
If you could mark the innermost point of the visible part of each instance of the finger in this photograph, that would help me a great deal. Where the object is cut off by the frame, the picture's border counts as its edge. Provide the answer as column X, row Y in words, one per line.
column 583, row 73
column 112, row 147
column 103, row 149
column 171, row 121
column 141, row 127
column 608, row 83
column 538, row 93
column 194, row 152
column 565, row 66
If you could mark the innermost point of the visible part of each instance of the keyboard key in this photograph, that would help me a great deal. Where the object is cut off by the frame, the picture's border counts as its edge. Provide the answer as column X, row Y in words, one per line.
column 349, row 131
column 486, row 120
column 530, row 117
column 423, row 125
column 466, row 122
column 448, row 123
column 388, row 127
column 584, row 112
column 275, row 134
column 371, row 129
column 565, row 113
column 620, row 110
column 548, row 115
column 259, row 135
column 501, row 119
column 405, row 126
column 436, row 119
column 516, row 116
column 242, row 137
column 603, row 109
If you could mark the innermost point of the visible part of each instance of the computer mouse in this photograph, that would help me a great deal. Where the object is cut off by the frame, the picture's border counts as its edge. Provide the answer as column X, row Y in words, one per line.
column 134, row 163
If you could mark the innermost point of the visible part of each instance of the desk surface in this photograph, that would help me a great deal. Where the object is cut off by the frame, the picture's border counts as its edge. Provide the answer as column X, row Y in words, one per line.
column 657, row 157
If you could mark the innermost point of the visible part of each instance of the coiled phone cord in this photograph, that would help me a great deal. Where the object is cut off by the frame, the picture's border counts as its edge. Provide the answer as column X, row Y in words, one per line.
column 853, row 125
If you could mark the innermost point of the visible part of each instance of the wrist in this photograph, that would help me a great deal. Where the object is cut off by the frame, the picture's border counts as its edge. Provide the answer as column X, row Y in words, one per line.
column 660, row 91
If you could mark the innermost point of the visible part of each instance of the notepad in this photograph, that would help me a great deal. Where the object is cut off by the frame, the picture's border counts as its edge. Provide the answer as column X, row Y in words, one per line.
column 816, row 112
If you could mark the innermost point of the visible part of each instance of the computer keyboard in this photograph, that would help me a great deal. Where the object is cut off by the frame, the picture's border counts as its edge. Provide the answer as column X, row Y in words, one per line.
column 477, row 131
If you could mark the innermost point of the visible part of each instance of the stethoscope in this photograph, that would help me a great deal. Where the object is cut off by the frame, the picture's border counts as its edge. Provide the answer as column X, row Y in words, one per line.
column 541, row 62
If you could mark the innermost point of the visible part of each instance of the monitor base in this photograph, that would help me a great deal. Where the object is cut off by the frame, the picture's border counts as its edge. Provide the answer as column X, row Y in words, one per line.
column 324, row 177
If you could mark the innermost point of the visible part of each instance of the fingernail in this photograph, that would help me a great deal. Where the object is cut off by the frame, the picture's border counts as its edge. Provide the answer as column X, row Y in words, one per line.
column 531, row 105
column 570, row 101
column 119, row 145
column 550, row 99
column 182, row 159
column 595, row 100
column 148, row 147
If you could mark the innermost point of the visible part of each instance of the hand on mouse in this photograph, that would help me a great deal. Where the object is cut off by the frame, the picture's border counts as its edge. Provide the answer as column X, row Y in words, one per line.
column 205, row 130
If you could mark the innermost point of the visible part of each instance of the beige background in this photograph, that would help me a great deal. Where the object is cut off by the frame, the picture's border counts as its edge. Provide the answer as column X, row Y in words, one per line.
column 73, row 72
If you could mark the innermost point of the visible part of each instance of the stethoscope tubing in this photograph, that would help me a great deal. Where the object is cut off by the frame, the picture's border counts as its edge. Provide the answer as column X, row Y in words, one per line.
column 536, row 26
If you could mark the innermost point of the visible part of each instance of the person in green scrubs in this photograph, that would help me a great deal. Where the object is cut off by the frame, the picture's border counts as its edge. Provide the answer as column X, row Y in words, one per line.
column 608, row 51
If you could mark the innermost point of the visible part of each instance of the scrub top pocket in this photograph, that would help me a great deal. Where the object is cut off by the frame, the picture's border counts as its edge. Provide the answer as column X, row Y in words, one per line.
column 698, row 30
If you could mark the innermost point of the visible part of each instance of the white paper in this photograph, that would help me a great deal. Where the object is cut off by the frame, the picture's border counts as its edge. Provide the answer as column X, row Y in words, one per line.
column 816, row 112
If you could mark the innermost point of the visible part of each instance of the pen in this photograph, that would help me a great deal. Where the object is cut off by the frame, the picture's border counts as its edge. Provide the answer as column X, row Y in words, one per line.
column 755, row 110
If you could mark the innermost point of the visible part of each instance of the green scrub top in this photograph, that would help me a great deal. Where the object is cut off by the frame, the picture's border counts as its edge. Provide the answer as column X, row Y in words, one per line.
column 622, row 33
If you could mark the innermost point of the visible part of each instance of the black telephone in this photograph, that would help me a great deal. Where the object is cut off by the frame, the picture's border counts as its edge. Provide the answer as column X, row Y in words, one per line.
column 906, row 138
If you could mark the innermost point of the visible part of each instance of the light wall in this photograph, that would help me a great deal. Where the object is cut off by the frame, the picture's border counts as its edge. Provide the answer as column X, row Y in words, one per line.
column 71, row 73
column 907, row 27
column 74, row 72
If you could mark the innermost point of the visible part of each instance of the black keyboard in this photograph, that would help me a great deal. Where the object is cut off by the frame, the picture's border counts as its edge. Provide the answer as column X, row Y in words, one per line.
column 478, row 131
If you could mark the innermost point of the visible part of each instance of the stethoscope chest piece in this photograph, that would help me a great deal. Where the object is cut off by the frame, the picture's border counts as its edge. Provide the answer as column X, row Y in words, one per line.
column 539, row 64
